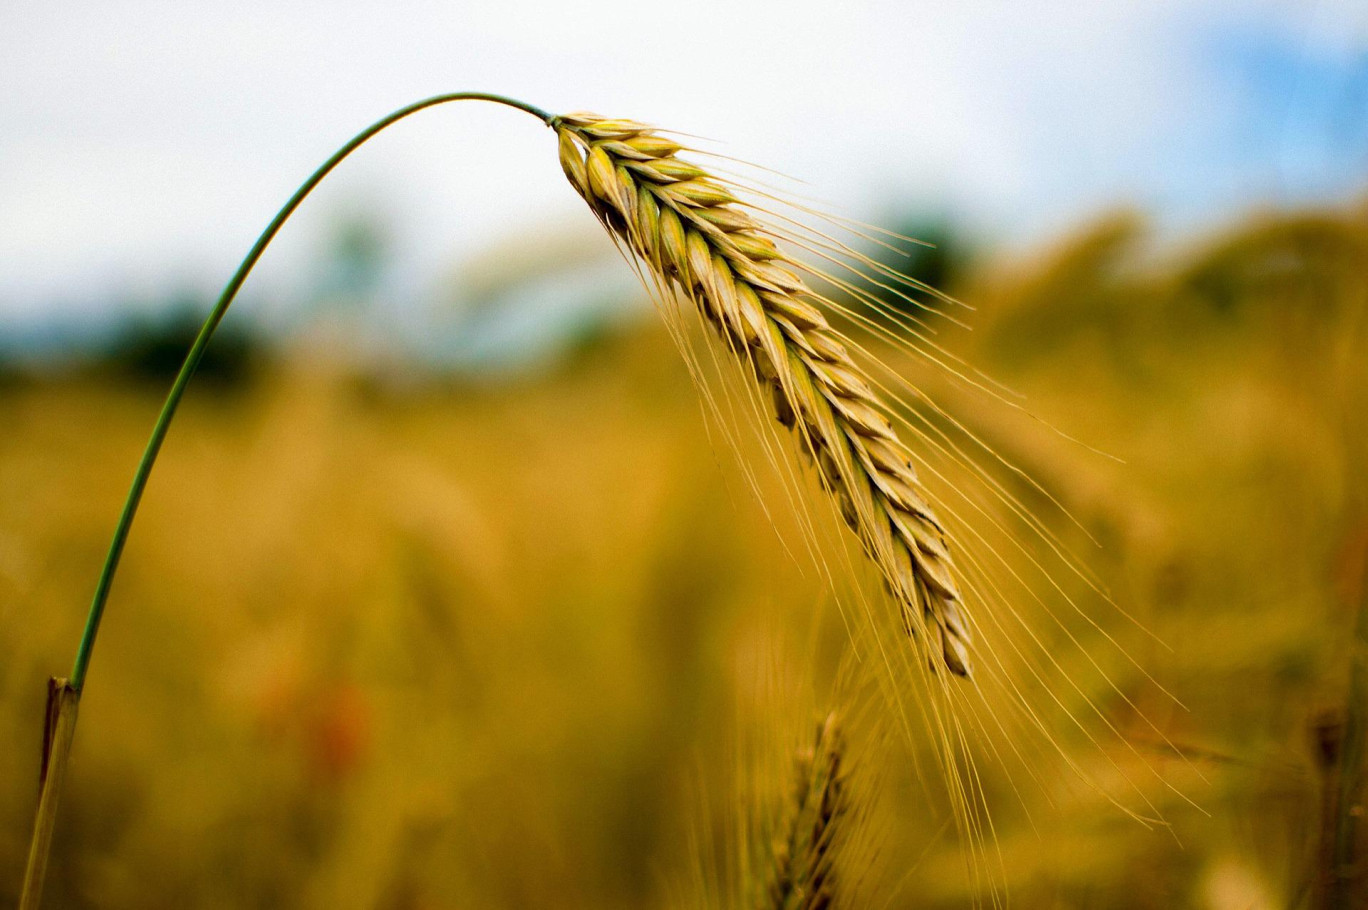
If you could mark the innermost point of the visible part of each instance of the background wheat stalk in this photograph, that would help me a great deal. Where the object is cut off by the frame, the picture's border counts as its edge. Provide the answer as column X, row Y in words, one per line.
column 802, row 875
column 698, row 240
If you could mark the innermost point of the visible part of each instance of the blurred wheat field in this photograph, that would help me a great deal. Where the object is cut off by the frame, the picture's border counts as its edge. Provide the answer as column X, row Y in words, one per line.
column 448, row 643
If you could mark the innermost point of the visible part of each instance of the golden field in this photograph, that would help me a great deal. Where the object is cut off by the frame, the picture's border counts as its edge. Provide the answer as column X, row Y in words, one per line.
column 430, row 642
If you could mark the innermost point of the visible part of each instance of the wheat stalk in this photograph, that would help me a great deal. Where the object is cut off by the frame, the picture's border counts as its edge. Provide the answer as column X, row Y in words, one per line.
column 696, row 238
column 700, row 241
column 64, row 695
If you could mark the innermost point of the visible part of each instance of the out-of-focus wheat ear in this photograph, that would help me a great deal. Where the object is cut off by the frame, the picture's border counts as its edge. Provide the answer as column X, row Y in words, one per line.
column 697, row 240
column 802, row 874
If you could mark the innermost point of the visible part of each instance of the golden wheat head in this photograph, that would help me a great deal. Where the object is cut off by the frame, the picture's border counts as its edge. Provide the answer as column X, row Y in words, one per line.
column 698, row 240
column 802, row 871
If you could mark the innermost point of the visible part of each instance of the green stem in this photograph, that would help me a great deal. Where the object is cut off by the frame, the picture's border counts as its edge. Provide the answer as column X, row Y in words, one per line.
column 64, row 696
column 192, row 359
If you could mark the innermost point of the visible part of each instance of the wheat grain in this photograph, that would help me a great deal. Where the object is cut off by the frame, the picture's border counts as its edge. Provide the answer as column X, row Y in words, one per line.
column 697, row 239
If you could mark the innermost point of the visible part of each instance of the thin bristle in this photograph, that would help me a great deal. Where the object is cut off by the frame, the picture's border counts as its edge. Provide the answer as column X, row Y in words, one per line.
column 698, row 240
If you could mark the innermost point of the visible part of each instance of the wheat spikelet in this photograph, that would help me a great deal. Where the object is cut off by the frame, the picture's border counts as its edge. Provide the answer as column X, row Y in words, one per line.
column 699, row 241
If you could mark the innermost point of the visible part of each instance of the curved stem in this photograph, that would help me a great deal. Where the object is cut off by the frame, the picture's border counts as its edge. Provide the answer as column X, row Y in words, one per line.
column 192, row 359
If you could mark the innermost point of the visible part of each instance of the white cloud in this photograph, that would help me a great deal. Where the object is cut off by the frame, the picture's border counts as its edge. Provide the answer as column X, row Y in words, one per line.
column 145, row 138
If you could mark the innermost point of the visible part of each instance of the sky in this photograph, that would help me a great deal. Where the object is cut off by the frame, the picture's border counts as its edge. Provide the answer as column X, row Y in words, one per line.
column 144, row 144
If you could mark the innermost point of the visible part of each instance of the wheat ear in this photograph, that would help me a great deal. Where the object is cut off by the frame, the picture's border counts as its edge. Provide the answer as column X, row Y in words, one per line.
column 698, row 239
column 802, row 873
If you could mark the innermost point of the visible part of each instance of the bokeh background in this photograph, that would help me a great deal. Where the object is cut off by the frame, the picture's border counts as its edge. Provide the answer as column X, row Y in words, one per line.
column 444, row 592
